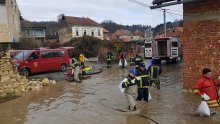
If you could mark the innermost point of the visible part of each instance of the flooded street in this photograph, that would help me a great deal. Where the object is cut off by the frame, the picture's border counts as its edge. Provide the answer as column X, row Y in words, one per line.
column 98, row 100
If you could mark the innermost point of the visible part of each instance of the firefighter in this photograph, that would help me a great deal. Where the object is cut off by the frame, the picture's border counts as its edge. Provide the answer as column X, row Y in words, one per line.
column 155, row 71
column 75, row 70
column 82, row 59
column 143, row 82
column 132, row 58
column 109, row 59
column 138, row 59
column 129, row 83
column 206, row 85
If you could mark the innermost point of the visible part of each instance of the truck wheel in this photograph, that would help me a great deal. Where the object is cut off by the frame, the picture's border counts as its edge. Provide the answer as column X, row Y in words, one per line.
column 175, row 60
column 63, row 67
column 26, row 72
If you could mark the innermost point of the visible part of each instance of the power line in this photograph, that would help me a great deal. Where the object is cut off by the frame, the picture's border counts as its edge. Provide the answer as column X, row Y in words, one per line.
column 174, row 13
column 176, row 10
column 148, row 6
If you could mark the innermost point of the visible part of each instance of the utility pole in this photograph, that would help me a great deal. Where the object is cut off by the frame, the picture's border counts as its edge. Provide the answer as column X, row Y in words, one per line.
column 165, row 26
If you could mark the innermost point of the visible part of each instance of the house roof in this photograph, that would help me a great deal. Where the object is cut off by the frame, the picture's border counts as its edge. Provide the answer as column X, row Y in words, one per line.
column 2, row 1
column 28, row 24
column 105, row 30
column 180, row 29
column 80, row 21
column 139, row 33
column 122, row 32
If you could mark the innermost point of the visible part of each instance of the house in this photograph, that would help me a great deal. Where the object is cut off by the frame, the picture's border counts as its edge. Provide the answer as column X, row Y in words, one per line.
column 107, row 34
column 9, row 22
column 32, row 30
column 138, row 35
column 73, row 27
column 175, row 32
column 123, row 35
column 201, row 44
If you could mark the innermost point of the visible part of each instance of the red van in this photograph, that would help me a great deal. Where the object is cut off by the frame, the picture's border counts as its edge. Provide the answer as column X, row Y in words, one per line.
column 43, row 60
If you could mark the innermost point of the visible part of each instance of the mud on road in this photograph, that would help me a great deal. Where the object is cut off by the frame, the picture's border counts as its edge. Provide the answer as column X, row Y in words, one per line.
column 98, row 100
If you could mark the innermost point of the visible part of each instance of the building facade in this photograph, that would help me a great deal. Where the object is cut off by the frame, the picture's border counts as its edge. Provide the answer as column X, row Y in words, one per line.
column 74, row 27
column 9, row 22
column 32, row 30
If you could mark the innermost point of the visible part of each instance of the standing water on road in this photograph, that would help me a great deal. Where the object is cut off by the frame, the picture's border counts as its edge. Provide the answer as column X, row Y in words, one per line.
column 98, row 100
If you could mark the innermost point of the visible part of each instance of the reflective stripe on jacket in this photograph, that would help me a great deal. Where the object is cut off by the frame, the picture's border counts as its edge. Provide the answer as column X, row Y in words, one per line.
column 144, row 81
column 209, row 87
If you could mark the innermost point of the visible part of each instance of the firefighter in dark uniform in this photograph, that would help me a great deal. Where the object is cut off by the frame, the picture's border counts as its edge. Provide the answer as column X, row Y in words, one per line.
column 155, row 71
column 143, row 82
column 109, row 59
column 138, row 59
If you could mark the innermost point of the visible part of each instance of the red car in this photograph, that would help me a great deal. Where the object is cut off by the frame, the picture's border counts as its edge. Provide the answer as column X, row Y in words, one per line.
column 43, row 60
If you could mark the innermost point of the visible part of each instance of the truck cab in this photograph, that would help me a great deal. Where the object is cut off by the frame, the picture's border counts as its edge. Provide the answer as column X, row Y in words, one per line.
column 148, row 49
column 167, row 48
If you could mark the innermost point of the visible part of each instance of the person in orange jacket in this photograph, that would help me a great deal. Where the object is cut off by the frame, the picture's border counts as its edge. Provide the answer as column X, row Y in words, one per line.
column 206, row 85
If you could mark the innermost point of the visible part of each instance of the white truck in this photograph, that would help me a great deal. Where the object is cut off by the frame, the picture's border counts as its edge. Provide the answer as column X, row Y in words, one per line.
column 148, row 49
column 168, row 48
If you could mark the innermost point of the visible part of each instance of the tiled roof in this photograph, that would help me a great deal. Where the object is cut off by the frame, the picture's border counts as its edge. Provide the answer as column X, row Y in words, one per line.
column 139, row 33
column 105, row 30
column 180, row 29
column 2, row 1
column 122, row 32
column 28, row 24
column 80, row 21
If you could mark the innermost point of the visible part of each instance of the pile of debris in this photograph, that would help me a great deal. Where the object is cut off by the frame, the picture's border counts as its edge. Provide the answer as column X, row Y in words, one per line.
column 13, row 84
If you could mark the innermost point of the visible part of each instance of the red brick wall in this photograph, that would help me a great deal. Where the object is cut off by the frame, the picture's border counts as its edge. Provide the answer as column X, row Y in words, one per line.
column 201, row 41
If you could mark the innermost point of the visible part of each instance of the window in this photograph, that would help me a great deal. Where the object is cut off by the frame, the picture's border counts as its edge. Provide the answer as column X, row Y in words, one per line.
column 53, row 54
column 92, row 33
column 14, row 20
column 22, row 55
column 35, row 55
column 59, row 53
column 84, row 32
column 48, row 54
column 174, row 44
column 147, row 45
column 99, row 33
column 77, row 33
column 12, row 4
column 15, row 8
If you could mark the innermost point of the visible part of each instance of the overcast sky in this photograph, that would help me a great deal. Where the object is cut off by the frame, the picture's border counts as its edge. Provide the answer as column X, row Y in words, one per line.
column 119, row 11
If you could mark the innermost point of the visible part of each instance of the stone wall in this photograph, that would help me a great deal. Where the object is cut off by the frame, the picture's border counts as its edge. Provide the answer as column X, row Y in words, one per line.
column 13, row 84
column 65, row 35
column 201, row 40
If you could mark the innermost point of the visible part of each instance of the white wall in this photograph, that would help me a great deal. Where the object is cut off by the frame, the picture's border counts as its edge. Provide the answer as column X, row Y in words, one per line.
column 88, row 30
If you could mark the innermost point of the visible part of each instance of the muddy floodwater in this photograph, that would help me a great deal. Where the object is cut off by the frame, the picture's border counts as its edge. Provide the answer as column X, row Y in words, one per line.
column 97, row 100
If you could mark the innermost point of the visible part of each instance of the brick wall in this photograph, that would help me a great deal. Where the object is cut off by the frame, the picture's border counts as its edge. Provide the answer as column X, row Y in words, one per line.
column 201, row 40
